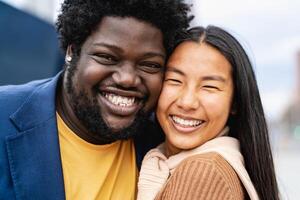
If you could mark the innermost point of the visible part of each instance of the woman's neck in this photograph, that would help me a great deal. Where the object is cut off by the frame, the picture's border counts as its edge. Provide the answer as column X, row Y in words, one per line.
column 170, row 150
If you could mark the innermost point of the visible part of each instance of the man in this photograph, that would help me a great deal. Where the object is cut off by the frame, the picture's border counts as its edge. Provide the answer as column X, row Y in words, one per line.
column 83, row 133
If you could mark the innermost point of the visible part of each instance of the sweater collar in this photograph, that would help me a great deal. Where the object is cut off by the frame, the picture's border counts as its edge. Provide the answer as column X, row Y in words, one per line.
column 227, row 147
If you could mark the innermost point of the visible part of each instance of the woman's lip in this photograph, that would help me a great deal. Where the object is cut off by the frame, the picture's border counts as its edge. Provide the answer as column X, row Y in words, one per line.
column 120, row 110
column 184, row 129
column 184, row 117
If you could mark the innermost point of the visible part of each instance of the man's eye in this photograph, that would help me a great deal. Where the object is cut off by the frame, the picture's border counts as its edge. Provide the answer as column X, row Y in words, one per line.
column 150, row 67
column 105, row 59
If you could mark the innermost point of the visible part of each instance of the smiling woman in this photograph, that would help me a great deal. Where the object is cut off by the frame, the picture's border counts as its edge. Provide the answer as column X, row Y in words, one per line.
column 195, row 101
column 217, row 144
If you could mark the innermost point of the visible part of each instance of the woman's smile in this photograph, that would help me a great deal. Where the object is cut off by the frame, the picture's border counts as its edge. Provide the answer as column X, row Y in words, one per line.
column 185, row 124
column 196, row 98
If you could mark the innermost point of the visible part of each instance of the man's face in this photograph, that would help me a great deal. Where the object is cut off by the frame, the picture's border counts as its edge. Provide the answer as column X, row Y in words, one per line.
column 118, row 75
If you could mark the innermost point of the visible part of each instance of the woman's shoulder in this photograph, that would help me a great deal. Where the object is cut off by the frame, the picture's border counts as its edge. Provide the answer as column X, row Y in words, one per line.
column 213, row 160
column 204, row 176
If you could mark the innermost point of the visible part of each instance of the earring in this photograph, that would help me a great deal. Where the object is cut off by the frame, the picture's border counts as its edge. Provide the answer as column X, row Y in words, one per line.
column 68, row 58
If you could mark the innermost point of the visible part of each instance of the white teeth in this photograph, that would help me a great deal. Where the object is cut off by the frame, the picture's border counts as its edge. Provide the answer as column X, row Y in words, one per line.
column 120, row 100
column 185, row 122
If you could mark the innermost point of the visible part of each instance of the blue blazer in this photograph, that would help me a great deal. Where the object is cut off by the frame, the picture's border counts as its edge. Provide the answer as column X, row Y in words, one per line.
column 30, row 162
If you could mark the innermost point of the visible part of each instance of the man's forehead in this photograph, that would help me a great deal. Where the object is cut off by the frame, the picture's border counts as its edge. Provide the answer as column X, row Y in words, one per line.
column 127, row 33
column 127, row 26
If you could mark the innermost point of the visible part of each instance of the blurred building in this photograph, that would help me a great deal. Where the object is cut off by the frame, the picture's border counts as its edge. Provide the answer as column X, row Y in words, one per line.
column 291, row 117
column 29, row 47
column 45, row 9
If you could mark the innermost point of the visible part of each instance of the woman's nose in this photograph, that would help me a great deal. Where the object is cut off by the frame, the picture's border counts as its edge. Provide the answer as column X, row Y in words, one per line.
column 188, row 100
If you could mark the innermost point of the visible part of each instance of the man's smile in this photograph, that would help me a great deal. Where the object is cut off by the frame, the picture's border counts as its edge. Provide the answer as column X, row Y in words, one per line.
column 116, row 84
column 120, row 102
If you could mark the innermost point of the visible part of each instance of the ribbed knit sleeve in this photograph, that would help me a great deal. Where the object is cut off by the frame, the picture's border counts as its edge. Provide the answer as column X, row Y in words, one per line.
column 203, row 177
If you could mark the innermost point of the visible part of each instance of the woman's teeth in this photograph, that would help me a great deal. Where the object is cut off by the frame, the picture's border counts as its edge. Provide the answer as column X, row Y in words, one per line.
column 185, row 122
column 119, row 100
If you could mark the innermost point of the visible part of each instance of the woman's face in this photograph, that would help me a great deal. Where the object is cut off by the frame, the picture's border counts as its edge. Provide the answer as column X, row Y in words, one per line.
column 196, row 97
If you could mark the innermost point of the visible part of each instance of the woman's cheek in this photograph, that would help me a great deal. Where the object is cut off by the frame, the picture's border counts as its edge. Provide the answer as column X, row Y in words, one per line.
column 216, row 103
column 168, row 94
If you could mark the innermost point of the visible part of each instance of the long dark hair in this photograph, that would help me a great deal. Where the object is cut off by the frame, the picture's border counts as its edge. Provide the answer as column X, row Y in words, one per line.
column 248, row 123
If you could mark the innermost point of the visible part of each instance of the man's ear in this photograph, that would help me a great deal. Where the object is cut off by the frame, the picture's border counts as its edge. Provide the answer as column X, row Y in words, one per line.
column 69, row 51
column 69, row 55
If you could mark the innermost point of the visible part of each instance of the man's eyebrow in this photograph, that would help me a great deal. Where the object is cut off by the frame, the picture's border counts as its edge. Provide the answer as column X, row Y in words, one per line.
column 118, row 49
column 175, row 70
column 154, row 54
column 109, row 46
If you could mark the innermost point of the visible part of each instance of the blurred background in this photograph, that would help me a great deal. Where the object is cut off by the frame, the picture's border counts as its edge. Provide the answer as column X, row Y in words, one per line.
column 268, row 29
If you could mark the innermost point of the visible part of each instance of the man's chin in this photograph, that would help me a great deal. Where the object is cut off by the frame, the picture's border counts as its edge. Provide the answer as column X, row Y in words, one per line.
column 129, row 129
column 119, row 125
column 107, row 129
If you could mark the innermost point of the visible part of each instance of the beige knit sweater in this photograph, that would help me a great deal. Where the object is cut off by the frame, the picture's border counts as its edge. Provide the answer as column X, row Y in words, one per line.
column 206, row 177
column 213, row 171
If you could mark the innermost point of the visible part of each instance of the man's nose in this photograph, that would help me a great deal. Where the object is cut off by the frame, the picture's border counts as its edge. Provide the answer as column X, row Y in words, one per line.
column 127, row 76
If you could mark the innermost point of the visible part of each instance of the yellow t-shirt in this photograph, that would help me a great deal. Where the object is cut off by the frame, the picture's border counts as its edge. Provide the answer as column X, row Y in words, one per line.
column 94, row 172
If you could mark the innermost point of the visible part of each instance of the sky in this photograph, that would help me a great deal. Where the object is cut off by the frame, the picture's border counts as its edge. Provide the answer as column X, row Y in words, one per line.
column 268, row 29
column 270, row 32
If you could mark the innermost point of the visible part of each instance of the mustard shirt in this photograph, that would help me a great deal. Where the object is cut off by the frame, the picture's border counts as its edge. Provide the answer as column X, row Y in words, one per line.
column 93, row 172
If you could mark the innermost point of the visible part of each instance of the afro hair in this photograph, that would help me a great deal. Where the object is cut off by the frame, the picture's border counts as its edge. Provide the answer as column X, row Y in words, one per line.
column 78, row 18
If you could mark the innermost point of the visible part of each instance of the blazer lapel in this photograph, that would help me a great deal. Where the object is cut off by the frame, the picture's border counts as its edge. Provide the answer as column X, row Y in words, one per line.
column 33, row 153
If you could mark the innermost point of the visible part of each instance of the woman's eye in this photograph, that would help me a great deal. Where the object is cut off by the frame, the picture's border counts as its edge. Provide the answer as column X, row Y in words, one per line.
column 211, row 87
column 151, row 67
column 173, row 81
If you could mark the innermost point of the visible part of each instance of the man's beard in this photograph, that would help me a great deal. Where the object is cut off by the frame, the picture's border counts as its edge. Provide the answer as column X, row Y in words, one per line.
column 89, row 114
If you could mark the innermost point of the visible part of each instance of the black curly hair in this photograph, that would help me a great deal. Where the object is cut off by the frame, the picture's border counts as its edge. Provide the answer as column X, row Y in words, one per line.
column 79, row 18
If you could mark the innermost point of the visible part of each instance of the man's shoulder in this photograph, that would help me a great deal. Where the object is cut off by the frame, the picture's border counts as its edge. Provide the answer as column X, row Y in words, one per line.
column 11, row 90
column 28, row 100
column 10, row 94
column 13, row 96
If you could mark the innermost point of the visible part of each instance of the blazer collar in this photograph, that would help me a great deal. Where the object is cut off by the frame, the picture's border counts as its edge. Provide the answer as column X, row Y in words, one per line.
column 33, row 153
column 38, row 107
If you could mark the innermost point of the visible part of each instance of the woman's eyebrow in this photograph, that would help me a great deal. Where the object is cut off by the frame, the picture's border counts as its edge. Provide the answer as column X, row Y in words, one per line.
column 213, row 78
column 175, row 70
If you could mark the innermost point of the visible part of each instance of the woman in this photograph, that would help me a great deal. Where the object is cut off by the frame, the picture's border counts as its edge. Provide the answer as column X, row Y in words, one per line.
column 217, row 144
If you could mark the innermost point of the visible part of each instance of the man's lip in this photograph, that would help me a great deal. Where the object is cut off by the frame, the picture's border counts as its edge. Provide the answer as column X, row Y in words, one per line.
column 120, row 92
column 120, row 110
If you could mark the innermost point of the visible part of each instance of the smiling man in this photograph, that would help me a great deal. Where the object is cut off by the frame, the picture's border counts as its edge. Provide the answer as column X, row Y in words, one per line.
column 115, row 81
column 83, row 133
